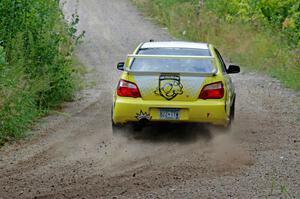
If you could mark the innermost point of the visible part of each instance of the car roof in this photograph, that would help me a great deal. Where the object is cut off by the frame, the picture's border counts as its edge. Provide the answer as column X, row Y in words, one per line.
column 174, row 44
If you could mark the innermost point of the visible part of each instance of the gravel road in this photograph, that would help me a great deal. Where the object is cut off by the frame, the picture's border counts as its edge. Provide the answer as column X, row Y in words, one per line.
column 75, row 155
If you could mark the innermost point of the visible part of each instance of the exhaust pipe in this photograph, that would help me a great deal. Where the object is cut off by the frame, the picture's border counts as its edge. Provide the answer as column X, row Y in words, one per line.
column 144, row 122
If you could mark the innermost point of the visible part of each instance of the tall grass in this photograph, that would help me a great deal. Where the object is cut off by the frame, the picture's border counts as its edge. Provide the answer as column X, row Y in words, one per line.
column 36, row 71
column 253, row 46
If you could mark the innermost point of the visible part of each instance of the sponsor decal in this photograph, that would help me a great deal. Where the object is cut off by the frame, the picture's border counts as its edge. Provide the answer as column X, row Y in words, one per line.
column 169, row 87
column 143, row 115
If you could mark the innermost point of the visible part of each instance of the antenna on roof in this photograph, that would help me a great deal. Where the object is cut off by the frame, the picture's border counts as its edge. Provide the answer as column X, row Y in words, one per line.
column 151, row 40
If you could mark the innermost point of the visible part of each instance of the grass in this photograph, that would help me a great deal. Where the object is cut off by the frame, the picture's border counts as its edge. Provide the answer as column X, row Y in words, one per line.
column 279, row 190
column 254, row 47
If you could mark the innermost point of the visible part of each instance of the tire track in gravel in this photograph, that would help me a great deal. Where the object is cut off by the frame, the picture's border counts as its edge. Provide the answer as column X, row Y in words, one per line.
column 78, row 157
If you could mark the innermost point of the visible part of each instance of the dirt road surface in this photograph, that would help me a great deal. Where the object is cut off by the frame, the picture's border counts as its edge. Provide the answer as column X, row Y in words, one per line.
column 75, row 155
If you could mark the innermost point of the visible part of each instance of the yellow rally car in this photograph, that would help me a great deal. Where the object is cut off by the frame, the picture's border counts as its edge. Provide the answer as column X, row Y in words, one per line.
column 174, row 82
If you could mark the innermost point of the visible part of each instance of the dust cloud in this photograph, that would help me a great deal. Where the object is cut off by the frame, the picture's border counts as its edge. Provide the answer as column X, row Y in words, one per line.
column 227, row 153
column 156, row 144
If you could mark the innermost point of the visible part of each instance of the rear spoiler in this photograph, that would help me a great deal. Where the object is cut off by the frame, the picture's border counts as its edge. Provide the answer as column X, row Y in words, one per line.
column 213, row 73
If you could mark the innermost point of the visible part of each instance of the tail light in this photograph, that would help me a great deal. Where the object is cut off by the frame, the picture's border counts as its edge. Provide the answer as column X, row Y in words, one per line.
column 128, row 89
column 212, row 91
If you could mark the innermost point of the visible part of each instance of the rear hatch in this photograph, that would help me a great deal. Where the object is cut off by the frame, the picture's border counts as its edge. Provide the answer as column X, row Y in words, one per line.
column 175, row 74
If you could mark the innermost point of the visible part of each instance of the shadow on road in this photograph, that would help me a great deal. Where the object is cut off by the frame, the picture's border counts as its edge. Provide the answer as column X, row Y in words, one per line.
column 181, row 133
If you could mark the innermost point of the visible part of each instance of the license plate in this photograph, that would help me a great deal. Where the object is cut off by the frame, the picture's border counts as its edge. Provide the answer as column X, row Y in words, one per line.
column 169, row 114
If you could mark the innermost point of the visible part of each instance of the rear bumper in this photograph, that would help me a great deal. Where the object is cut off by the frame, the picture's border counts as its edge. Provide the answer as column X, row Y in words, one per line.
column 203, row 111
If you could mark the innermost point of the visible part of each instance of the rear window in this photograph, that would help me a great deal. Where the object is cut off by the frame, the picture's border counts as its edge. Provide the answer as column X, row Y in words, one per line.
column 171, row 64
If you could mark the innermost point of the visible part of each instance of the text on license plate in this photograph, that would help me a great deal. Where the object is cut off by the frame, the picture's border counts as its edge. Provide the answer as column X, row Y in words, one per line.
column 169, row 114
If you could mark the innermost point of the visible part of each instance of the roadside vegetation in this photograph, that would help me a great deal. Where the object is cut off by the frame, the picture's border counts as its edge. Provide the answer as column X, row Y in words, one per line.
column 36, row 69
column 259, row 35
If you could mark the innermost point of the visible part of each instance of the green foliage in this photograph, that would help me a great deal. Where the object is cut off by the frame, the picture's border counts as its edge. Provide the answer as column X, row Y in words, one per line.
column 17, row 105
column 280, row 15
column 36, row 71
column 255, row 46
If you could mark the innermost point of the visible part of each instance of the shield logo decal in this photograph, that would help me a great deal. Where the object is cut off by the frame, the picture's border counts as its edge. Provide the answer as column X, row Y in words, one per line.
column 169, row 87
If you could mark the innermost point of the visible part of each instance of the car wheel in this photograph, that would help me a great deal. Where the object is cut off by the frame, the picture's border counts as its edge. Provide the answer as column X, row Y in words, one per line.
column 232, row 111
column 117, row 128
column 231, row 116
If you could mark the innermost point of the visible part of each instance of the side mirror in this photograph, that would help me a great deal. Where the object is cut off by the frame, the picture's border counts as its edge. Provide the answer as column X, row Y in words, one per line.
column 233, row 69
column 121, row 66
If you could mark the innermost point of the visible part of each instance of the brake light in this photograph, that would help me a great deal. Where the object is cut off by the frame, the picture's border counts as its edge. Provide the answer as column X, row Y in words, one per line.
column 128, row 89
column 212, row 91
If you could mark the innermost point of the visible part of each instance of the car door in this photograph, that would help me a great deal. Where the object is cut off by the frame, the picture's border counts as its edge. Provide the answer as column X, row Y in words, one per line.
column 228, row 83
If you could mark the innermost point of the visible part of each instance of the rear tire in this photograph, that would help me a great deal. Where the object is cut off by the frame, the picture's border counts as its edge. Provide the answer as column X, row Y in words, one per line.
column 232, row 111
column 231, row 116
column 117, row 128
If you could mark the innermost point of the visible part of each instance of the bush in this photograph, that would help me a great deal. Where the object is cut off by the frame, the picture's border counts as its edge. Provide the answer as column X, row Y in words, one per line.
column 36, row 70
column 17, row 105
